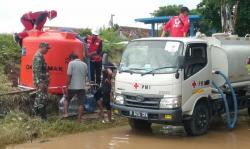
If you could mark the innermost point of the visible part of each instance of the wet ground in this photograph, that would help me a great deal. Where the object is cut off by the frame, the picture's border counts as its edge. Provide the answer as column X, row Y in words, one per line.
column 161, row 136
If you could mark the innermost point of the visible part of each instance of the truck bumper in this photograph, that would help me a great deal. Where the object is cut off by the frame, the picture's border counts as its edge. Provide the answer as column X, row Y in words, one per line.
column 153, row 115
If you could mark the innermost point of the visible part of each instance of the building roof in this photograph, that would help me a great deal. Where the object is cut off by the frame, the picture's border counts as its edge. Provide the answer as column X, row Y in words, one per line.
column 164, row 19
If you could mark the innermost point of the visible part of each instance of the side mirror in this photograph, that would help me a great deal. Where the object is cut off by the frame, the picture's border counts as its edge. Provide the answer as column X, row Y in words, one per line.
column 181, row 61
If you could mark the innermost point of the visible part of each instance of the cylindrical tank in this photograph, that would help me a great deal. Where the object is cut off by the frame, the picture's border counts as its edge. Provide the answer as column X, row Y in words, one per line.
column 231, row 55
column 62, row 45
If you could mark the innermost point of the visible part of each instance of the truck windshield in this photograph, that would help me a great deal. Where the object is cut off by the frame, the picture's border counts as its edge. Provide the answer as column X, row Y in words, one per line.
column 154, row 56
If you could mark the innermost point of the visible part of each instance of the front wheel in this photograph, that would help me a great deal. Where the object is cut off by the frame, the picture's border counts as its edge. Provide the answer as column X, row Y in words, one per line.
column 136, row 124
column 198, row 125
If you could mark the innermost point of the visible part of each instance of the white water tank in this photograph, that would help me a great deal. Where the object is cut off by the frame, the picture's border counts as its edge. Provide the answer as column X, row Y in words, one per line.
column 231, row 55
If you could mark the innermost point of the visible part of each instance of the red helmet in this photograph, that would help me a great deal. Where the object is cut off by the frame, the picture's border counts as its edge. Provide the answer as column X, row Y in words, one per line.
column 52, row 14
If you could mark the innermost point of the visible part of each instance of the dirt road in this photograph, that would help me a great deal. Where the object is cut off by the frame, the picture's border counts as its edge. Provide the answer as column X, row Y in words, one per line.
column 219, row 137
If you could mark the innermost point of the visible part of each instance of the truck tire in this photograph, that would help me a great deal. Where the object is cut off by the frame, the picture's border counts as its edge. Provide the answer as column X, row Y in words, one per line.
column 136, row 124
column 198, row 124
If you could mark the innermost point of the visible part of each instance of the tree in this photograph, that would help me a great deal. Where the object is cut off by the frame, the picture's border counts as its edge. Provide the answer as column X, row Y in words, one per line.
column 115, row 27
column 84, row 32
column 211, row 17
column 170, row 10
column 243, row 20
column 111, row 39
column 210, row 22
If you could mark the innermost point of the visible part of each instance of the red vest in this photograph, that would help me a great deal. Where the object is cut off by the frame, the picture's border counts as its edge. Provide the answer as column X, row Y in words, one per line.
column 93, row 46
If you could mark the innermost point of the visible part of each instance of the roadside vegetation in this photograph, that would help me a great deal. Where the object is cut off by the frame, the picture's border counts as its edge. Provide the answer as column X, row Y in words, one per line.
column 9, row 51
column 10, row 54
column 17, row 127
column 5, row 84
column 112, row 42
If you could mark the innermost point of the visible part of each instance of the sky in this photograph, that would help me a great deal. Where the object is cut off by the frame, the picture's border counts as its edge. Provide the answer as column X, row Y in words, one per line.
column 84, row 13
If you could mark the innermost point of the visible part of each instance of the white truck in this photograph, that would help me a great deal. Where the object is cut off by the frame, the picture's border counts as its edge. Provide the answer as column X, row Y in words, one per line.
column 173, row 81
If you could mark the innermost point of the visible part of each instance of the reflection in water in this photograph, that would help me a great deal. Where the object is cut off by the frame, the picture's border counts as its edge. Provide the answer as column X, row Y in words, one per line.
column 172, row 130
column 117, row 141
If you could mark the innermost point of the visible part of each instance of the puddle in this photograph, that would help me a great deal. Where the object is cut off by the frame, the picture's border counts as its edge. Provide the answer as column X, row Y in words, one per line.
column 161, row 137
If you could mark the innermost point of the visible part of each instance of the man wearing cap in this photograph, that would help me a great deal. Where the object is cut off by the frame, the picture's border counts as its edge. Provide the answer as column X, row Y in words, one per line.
column 94, row 44
column 41, row 80
column 178, row 25
column 33, row 20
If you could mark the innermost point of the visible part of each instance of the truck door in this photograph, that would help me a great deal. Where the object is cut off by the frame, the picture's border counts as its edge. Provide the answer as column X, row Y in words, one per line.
column 196, row 73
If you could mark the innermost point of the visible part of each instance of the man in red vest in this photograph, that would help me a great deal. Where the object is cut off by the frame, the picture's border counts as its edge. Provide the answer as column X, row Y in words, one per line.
column 33, row 20
column 178, row 25
column 94, row 44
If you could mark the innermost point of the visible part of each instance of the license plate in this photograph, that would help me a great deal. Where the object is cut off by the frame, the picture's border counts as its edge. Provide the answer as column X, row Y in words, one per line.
column 138, row 114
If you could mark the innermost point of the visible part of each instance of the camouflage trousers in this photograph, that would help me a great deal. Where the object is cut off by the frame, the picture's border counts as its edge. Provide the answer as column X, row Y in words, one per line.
column 40, row 103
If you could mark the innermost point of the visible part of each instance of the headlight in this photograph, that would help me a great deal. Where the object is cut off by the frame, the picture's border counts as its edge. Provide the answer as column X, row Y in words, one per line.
column 170, row 102
column 119, row 99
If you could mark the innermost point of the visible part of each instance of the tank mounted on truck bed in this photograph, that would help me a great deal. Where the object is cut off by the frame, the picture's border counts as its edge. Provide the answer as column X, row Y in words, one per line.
column 180, row 81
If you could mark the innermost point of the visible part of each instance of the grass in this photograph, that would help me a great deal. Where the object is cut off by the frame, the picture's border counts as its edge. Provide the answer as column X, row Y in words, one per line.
column 17, row 127
column 5, row 83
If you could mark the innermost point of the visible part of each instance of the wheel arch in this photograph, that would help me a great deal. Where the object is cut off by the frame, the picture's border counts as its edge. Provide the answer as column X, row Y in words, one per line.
column 199, row 99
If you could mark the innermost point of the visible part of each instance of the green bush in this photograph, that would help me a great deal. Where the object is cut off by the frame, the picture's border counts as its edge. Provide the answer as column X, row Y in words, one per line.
column 10, row 53
column 84, row 32
column 9, row 50
column 111, row 39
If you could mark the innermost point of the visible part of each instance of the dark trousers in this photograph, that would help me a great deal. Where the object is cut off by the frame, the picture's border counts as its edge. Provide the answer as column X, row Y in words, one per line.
column 105, row 97
column 80, row 94
column 95, row 71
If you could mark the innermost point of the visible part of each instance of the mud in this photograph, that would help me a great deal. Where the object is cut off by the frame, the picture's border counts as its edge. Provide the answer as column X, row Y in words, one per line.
column 161, row 137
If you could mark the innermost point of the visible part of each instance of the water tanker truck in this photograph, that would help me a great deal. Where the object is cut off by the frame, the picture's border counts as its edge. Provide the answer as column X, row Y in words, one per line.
column 183, row 81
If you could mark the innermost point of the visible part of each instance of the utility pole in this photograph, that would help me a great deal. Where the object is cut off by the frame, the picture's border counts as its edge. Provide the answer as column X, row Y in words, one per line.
column 111, row 23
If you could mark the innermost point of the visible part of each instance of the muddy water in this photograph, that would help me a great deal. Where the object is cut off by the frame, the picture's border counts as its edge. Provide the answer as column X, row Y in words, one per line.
column 161, row 137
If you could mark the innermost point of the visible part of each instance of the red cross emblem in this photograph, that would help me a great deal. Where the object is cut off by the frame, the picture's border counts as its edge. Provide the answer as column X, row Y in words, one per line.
column 194, row 84
column 136, row 85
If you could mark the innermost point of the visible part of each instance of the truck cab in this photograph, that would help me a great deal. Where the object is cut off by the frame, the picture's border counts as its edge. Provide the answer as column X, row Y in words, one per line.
column 164, row 80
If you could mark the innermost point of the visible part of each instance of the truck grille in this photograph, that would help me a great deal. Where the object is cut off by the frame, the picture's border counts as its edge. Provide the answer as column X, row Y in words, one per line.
column 147, row 102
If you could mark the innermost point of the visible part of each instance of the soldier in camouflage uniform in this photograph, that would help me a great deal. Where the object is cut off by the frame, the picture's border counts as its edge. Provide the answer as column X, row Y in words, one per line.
column 41, row 80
